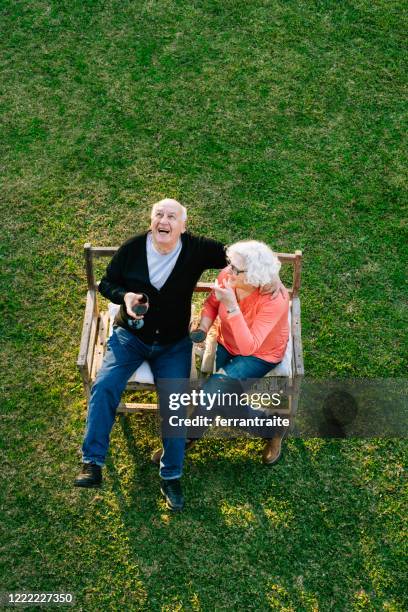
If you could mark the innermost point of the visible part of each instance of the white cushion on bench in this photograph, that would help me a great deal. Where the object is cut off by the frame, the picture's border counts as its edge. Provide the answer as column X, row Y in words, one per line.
column 144, row 373
column 285, row 366
column 283, row 369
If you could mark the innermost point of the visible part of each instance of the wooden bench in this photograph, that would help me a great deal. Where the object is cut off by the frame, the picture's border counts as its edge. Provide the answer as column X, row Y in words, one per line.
column 97, row 327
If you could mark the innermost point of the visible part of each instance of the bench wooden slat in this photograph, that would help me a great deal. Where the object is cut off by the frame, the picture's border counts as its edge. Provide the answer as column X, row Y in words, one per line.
column 297, row 338
column 203, row 287
column 92, row 340
column 104, row 251
column 86, row 328
column 100, row 344
column 136, row 407
column 297, row 269
column 111, row 250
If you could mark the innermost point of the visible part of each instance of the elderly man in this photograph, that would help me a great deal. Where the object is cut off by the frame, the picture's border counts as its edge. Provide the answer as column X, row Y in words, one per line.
column 165, row 264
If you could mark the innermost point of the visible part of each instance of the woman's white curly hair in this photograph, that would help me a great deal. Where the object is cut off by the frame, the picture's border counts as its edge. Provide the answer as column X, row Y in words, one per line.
column 260, row 262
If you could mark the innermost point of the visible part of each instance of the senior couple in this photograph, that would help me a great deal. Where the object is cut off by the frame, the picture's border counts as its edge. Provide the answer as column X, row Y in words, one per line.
column 165, row 263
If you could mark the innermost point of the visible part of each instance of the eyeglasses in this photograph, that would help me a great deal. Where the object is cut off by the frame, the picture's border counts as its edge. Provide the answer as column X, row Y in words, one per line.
column 234, row 269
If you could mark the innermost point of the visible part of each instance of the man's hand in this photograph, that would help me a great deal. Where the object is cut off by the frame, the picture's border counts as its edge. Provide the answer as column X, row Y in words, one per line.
column 131, row 299
column 225, row 294
column 274, row 289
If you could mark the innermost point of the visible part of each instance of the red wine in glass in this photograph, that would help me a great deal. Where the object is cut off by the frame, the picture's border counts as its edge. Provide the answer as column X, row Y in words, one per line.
column 139, row 309
column 197, row 335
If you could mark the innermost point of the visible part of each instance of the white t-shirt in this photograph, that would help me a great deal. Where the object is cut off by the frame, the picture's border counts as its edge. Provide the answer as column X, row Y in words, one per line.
column 160, row 265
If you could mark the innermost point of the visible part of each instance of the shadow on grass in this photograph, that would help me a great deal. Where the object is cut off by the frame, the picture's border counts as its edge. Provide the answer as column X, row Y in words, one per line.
column 291, row 535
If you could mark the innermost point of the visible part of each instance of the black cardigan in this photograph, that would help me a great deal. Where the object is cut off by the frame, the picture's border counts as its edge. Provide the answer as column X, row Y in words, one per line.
column 168, row 316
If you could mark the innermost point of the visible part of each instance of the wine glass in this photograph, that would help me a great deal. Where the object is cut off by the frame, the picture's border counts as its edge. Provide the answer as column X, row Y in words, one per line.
column 139, row 309
column 197, row 335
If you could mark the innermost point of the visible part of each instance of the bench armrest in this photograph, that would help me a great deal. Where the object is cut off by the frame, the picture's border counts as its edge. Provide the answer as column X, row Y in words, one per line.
column 203, row 287
column 299, row 369
column 90, row 309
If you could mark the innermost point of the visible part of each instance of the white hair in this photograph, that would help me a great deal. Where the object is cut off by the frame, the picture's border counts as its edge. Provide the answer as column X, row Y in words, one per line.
column 260, row 262
column 171, row 201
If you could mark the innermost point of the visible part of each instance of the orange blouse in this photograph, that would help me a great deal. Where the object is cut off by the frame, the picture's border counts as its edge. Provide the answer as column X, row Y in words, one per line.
column 260, row 328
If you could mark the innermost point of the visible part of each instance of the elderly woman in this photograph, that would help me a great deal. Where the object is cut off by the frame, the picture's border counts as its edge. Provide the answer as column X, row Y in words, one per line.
column 254, row 329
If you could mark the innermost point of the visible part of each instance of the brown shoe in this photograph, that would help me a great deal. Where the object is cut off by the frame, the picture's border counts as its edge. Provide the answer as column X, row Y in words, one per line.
column 156, row 456
column 272, row 451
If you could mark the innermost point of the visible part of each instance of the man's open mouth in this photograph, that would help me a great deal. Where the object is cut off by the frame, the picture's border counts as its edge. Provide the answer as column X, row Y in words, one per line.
column 163, row 231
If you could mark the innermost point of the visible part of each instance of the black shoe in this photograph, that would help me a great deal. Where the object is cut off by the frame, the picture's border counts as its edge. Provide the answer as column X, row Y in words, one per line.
column 171, row 489
column 90, row 476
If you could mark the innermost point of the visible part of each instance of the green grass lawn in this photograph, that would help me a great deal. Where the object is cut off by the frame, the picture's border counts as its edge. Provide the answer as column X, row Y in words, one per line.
column 279, row 120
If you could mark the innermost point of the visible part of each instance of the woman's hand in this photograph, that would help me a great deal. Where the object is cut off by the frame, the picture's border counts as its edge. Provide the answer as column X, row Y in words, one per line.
column 226, row 294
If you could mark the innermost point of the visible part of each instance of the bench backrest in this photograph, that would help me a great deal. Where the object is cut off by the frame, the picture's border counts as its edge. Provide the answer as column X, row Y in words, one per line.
column 91, row 252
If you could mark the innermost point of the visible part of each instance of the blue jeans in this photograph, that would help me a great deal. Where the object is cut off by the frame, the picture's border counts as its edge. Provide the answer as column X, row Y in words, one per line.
column 240, row 367
column 125, row 353
column 240, row 373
